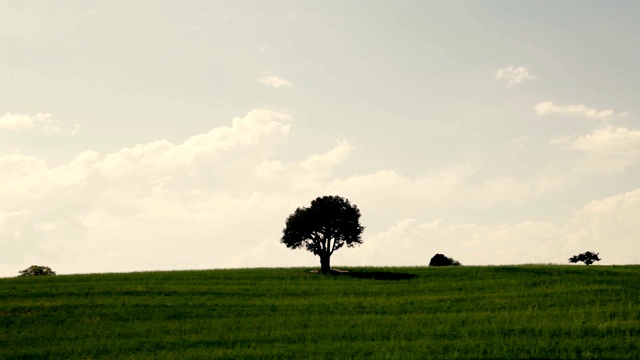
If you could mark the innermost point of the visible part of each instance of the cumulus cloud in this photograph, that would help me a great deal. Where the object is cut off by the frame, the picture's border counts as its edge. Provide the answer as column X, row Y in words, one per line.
column 514, row 75
column 220, row 198
column 257, row 127
column 273, row 81
column 608, row 140
column 20, row 122
column 410, row 242
column 608, row 149
column 268, row 168
column 320, row 163
column 40, row 122
column 148, row 206
column 445, row 188
column 9, row 219
column 607, row 226
column 548, row 107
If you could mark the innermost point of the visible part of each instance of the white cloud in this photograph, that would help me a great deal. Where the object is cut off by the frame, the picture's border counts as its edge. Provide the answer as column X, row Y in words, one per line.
column 9, row 219
column 18, row 122
column 268, row 168
column 607, row 149
column 511, row 190
column 145, row 207
column 255, row 128
column 609, row 140
column 410, row 242
column 273, row 81
column 608, row 226
column 446, row 188
column 20, row 174
column 514, row 75
column 220, row 199
column 321, row 163
column 548, row 107
column 612, row 205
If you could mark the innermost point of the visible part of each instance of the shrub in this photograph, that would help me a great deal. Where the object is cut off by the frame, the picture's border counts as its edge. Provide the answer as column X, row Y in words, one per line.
column 35, row 270
column 441, row 260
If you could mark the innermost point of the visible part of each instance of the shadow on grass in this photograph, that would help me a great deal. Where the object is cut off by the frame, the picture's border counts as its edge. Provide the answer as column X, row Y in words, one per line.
column 374, row 275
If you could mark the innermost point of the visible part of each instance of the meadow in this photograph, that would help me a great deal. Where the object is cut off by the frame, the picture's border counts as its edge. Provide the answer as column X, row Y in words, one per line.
column 494, row 312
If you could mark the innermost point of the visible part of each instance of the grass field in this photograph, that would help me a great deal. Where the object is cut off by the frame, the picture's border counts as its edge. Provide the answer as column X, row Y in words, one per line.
column 564, row 312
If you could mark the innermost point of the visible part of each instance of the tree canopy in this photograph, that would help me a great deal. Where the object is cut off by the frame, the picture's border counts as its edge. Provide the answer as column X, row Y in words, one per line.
column 327, row 225
column 587, row 257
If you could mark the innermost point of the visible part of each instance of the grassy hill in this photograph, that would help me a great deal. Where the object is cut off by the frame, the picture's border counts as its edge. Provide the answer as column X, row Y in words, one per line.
column 568, row 312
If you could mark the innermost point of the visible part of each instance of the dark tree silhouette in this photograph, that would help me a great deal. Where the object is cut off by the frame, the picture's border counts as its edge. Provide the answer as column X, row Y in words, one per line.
column 35, row 270
column 588, row 258
column 324, row 227
column 441, row 260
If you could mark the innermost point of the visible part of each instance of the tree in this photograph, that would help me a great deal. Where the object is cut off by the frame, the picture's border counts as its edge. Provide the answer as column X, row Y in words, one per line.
column 588, row 258
column 328, row 224
column 441, row 260
column 35, row 270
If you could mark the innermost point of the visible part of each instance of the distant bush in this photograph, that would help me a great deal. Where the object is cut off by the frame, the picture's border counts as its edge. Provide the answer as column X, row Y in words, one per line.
column 441, row 260
column 35, row 270
column 588, row 258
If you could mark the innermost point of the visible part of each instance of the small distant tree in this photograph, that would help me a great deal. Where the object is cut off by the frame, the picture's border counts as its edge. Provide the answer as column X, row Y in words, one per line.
column 328, row 224
column 588, row 258
column 441, row 260
column 35, row 270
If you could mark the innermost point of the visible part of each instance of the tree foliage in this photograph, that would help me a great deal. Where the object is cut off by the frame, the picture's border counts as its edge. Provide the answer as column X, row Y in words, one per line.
column 35, row 270
column 327, row 225
column 441, row 260
column 587, row 257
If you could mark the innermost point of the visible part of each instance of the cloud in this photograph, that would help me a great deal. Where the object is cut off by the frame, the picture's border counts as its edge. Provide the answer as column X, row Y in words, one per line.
column 10, row 220
column 220, row 199
column 268, row 168
column 608, row 140
column 446, row 188
column 607, row 226
column 39, row 122
column 608, row 149
column 514, row 75
column 321, row 163
column 255, row 128
column 146, row 206
column 410, row 242
column 273, row 81
column 306, row 176
column 548, row 107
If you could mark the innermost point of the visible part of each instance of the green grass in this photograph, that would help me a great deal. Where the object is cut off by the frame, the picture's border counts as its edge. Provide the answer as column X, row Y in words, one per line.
column 564, row 312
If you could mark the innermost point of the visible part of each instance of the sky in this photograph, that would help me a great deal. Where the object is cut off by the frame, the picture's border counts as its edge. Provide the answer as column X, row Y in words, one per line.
column 180, row 135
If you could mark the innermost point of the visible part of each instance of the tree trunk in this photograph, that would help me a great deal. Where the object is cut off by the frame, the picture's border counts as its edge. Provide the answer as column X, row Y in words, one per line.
column 325, row 264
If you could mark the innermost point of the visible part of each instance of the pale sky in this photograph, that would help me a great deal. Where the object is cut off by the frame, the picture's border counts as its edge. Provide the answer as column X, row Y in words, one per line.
column 181, row 134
